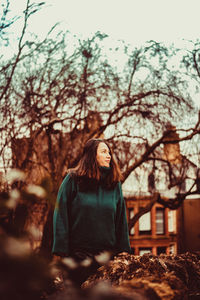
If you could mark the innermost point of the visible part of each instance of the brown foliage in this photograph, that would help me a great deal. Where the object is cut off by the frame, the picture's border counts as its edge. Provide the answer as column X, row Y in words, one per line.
column 154, row 277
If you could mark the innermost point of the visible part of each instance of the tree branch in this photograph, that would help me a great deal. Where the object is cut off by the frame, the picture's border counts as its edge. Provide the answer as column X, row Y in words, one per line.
column 143, row 210
column 27, row 14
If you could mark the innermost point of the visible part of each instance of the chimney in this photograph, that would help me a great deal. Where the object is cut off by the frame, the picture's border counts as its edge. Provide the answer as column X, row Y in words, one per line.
column 172, row 150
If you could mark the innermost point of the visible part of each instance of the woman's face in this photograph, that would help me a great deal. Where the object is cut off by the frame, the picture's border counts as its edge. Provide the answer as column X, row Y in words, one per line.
column 103, row 155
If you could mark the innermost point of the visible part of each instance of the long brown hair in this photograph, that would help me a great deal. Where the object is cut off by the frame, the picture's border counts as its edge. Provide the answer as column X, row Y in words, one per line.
column 88, row 167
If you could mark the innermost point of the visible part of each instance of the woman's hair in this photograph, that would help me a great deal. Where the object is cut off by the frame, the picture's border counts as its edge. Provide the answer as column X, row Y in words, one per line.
column 88, row 166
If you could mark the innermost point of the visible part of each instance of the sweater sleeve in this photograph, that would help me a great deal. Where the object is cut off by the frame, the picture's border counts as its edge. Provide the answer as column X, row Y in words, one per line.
column 61, row 218
column 122, row 235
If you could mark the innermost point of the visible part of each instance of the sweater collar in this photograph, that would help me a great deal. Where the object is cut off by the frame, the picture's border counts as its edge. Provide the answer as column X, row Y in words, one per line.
column 104, row 171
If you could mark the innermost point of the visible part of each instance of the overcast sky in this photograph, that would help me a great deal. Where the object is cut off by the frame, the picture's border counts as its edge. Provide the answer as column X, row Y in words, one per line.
column 134, row 21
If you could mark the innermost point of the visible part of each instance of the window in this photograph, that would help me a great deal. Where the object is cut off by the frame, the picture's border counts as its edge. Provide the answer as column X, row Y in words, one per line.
column 172, row 249
column 132, row 231
column 144, row 250
column 172, row 221
column 131, row 215
column 161, row 250
column 160, row 220
column 145, row 224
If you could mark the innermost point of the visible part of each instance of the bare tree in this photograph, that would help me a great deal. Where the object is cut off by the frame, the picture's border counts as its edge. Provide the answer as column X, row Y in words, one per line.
column 7, row 70
column 5, row 21
column 8, row 67
column 60, row 100
column 71, row 89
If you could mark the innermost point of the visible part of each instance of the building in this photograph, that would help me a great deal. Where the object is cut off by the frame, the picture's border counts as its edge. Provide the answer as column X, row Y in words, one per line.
column 189, row 224
column 162, row 230
column 156, row 231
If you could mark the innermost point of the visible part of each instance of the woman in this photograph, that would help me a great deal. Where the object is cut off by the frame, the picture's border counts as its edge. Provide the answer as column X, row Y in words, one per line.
column 90, row 214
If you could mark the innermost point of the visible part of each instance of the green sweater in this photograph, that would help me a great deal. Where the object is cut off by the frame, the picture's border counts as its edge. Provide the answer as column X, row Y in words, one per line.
column 91, row 221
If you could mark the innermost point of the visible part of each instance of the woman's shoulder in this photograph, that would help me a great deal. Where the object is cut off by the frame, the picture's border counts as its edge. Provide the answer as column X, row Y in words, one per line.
column 69, row 178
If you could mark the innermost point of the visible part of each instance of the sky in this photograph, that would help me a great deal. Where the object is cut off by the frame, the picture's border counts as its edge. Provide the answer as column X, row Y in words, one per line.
column 134, row 21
